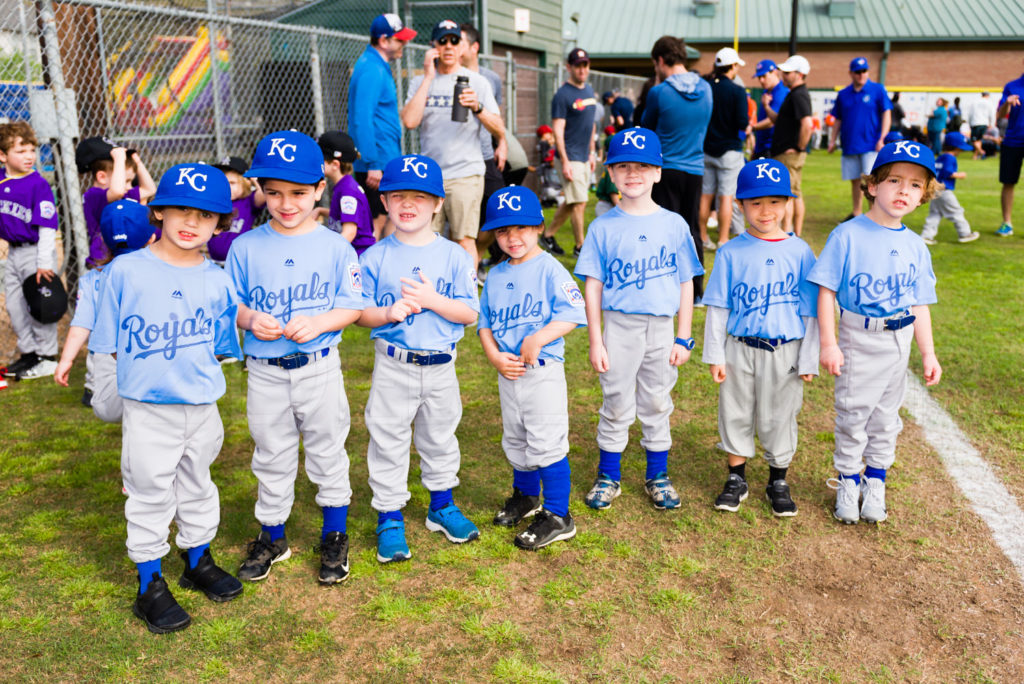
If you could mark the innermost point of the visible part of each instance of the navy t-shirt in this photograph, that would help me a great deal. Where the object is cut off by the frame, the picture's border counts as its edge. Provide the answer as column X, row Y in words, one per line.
column 577, row 107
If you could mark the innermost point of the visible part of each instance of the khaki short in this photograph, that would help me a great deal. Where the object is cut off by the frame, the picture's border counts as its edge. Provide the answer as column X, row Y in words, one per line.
column 794, row 162
column 578, row 189
column 461, row 208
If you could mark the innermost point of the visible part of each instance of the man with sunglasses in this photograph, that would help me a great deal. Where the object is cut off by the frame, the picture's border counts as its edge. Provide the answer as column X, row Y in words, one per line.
column 863, row 113
column 455, row 146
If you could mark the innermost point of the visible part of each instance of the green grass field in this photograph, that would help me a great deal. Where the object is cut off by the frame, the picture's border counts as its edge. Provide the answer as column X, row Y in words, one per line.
column 639, row 595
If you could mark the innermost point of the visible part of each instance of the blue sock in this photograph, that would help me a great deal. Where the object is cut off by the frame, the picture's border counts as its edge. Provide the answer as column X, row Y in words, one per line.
column 875, row 472
column 557, row 482
column 657, row 463
column 275, row 531
column 146, row 571
column 610, row 464
column 335, row 520
column 390, row 515
column 526, row 481
column 195, row 553
column 440, row 499
column 855, row 477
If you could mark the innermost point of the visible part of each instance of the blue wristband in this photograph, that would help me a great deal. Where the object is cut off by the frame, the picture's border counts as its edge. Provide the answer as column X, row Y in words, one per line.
column 687, row 343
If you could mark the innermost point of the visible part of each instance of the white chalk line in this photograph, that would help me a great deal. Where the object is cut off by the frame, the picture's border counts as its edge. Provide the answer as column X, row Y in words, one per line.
column 988, row 496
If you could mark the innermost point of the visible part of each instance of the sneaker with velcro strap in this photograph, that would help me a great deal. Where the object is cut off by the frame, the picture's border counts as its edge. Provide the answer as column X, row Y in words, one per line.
column 780, row 500
column 546, row 528
column 218, row 584
column 604, row 491
column 662, row 493
column 452, row 523
column 334, row 566
column 516, row 508
column 872, row 507
column 261, row 554
column 847, row 508
column 158, row 608
column 391, row 544
column 733, row 494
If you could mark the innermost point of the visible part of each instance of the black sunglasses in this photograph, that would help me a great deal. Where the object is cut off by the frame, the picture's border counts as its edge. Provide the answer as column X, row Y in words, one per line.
column 448, row 40
column 861, row 71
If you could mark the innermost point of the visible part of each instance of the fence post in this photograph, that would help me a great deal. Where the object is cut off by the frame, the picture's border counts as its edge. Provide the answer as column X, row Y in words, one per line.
column 510, row 93
column 317, row 83
column 218, row 111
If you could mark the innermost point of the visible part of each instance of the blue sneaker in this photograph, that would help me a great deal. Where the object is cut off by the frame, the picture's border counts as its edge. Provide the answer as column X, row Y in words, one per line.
column 603, row 492
column 450, row 520
column 391, row 546
column 661, row 491
column 1005, row 230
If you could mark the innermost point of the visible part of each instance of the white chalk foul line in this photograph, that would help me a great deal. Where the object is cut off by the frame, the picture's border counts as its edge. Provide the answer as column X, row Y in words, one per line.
column 988, row 497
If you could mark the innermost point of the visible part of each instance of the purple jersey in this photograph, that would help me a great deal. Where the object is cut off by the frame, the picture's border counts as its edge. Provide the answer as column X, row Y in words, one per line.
column 94, row 200
column 245, row 210
column 26, row 205
column 349, row 205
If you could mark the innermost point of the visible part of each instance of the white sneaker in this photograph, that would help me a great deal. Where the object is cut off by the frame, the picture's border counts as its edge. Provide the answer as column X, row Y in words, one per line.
column 872, row 509
column 44, row 368
column 929, row 241
column 710, row 246
column 847, row 499
column 970, row 237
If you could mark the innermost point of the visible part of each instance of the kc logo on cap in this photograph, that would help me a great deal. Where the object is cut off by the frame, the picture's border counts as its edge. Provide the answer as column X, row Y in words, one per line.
column 282, row 149
column 763, row 178
column 191, row 175
column 636, row 139
column 413, row 172
column 289, row 156
column 635, row 145
column 194, row 185
column 415, row 166
column 513, row 206
column 507, row 199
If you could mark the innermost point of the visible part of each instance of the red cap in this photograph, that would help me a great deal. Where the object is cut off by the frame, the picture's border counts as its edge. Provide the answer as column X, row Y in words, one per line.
column 541, row 130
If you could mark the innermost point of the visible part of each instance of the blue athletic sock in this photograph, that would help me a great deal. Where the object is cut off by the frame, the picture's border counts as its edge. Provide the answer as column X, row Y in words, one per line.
column 855, row 477
column 195, row 553
column 526, row 481
column 557, row 482
column 610, row 464
column 146, row 571
column 875, row 472
column 657, row 463
column 335, row 520
column 275, row 531
column 389, row 515
column 440, row 499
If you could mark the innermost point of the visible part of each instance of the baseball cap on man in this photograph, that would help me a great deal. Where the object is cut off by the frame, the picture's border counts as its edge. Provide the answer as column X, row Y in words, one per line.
column 796, row 63
column 765, row 66
column 389, row 25
column 236, row 164
column 763, row 178
column 125, row 226
column 412, row 172
column 47, row 300
column 94, row 149
column 199, row 186
column 513, row 206
column 858, row 64
column 577, row 56
column 727, row 57
column 338, row 145
column 634, row 145
column 956, row 139
column 445, row 27
column 905, row 151
column 289, row 156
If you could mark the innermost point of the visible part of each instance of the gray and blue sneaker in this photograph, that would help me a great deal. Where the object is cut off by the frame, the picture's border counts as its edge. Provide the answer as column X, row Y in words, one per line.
column 872, row 508
column 450, row 520
column 391, row 545
column 603, row 492
column 847, row 499
column 661, row 491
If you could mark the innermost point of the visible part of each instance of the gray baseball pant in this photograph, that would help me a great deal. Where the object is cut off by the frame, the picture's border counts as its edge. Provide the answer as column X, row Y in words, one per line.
column 32, row 335
column 535, row 416
column 945, row 205
column 107, row 404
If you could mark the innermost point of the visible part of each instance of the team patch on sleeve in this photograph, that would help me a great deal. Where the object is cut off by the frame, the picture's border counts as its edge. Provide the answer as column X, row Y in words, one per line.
column 355, row 277
column 348, row 204
column 47, row 210
column 572, row 293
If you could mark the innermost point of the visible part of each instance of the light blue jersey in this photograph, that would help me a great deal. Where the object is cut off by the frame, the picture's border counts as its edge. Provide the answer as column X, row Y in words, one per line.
column 444, row 263
column 518, row 300
column 89, row 287
column 641, row 260
column 764, row 286
column 875, row 271
column 166, row 324
column 290, row 275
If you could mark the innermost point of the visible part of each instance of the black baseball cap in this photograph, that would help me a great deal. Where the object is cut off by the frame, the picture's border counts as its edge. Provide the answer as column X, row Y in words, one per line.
column 445, row 27
column 338, row 145
column 236, row 164
column 47, row 300
column 577, row 56
column 94, row 149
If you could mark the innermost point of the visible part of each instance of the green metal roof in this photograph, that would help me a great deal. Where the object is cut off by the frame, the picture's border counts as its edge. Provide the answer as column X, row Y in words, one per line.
column 605, row 32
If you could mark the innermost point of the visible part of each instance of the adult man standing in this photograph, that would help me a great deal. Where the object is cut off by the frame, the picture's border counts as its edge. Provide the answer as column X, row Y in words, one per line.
column 981, row 116
column 775, row 92
column 573, row 108
column 1011, row 154
column 863, row 115
column 455, row 146
column 793, row 125
column 373, row 108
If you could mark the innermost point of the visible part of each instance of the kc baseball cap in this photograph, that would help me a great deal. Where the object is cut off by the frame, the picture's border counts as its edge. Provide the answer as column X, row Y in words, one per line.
column 445, row 27
column 513, row 206
column 413, row 172
column 577, row 56
column 199, row 186
column 338, row 145
column 288, row 156
column 763, row 178
column 47, row 300
column 905, row 151
column 765, row 66
column 796, row 63
column 956, row 139
column 634, row 145
column 727, row 57
column 388, row 25
column 236, row 164
column 858, row 64
column 94, row 149
column 125, row 226
column 893, row 136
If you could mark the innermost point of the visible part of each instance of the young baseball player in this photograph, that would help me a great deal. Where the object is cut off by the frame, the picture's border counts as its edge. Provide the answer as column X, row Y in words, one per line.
column 761, row 336
column 945, row 204
column 125, row 227
column 28, row 222
column 166, row 311
column 299, row 286
column 638, row 260
column 420, row 294
column 350, row 210
column 529, row 303
column 246, row 201
column 880, row 274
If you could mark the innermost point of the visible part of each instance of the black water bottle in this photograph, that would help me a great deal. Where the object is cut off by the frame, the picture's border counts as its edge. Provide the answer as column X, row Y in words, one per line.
column 459, row 111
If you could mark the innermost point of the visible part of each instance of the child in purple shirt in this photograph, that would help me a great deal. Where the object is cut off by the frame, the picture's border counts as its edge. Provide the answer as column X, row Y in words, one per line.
column 350, row 210
column 246, row 202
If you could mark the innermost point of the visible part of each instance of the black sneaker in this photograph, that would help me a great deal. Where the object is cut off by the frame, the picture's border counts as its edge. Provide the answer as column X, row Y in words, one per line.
column 734, row 492
column 517, row 507
column 549, row 244
column 207, row 577
column 576, row 252
column 24, row 362
column 334, row 558
column 546, row 528
column 779, row 499
column 158, row 609
column 261, row 554
column 87, row 398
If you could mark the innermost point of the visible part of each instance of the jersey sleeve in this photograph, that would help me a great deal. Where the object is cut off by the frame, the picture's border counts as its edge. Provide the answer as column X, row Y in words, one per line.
column 590, row 263
column 349, row 277
column 226, row 341
column 827, row 271
column 808, row 289
column 884, row 103
column 103, row 339
column 559, row 106
column 464, row 287
column 925, row 286
column 44, row 211
column 236, row 269
column 716, row 290
column 688, row 263
column 484, row 320
column 567, row 302
column 89, row 288
column 369, row 269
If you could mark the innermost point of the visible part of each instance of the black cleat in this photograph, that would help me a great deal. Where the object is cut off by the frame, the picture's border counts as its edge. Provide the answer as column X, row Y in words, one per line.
column 262, row 553
column 517, row 507
column 334, row 558
column 218, row 584
column 24, row 362
column 546, row 528
column 549, row 244
column 158, row 608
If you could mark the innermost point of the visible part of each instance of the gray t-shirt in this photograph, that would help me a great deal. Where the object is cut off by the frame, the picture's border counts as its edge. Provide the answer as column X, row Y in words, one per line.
column 454, row 146
column 486, row 147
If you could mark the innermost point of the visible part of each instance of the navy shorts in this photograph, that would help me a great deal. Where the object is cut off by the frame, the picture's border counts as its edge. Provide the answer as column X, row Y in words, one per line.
column 1010, row 159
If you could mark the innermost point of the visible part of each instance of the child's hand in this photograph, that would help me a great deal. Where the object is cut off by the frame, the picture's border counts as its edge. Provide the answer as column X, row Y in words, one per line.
column 44, row 274
column 808, row 377
column 422, row 293
column 529, row 351
column 718, row 372
column 832, row 359
column 265, row 327
column 509, row 365
column 932, row 369
column 679, row 355
column 402, row 309
column 599, row 357
column 118, row 152
column 302, row 329
column 60, row 376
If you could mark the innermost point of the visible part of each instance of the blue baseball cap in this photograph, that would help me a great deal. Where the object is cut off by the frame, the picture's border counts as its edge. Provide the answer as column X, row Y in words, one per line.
column 288, row 156
column 634, row 145
column 513, row 206
column 905, row 151
column 858, row 64
column 198, row 185
column 387, row 25
column 893, row 136
column 125, row 226
column 765, row 66
column 412, row 172
column 763, row 178
column 956, row 139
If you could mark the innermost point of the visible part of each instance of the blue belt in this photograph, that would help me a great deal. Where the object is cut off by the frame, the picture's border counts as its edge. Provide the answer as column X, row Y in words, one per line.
column 424, row 359
column 297, row 360
column 540, row 362
column 897, row 321
column 766, row 343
